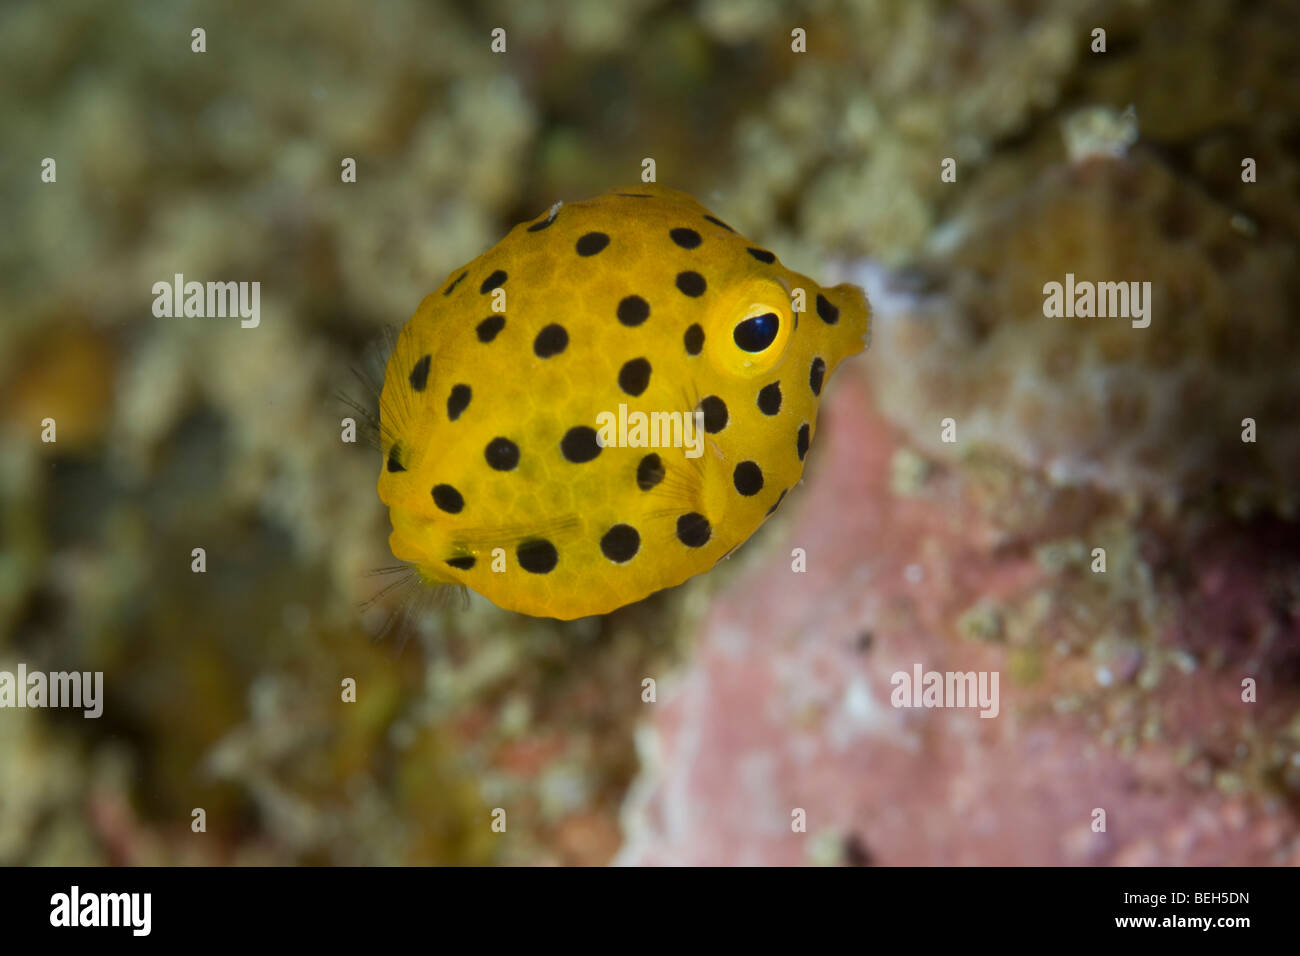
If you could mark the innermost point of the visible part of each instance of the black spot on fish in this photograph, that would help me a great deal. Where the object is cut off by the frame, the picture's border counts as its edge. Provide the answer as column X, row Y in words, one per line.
column 458, row 401
column 816, row 375
column 448, row 499
column 829, row 313
column 769, row 399
column 502, row 454
column 489, row 328
column 552, row 340
column 748, row 478
column 694, row 339
column 633, row 310
column 686, row 238
column 620, row 543
column 420, row 373
column 551, row 216
column 634, row 376
column 693, row 530
column 715, row 414
column 537, row 556
column 592, row 243
column 780, row 498
column 580, row 444
column 691, row 283
column 649, row 472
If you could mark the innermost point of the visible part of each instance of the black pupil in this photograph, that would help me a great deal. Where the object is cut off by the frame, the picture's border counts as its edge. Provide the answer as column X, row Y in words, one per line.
column 758, row 332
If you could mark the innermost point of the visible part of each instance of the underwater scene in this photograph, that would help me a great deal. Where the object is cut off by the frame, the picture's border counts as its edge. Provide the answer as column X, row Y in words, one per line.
column 650, row 433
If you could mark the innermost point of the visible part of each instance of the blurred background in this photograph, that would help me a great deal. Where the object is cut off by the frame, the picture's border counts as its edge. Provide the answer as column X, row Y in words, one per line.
column 1120, row 690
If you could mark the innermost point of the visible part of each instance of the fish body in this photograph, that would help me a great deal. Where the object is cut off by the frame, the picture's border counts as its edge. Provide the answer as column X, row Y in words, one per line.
column 502, row 471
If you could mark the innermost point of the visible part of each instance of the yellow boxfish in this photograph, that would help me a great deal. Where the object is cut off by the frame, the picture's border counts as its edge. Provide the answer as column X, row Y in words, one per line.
column 502, row 469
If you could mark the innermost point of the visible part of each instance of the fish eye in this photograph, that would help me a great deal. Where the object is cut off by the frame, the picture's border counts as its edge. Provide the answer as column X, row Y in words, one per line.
column 757, row 332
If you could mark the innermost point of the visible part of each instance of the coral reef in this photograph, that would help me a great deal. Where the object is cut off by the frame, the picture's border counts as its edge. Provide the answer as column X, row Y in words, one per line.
column 1119, row 690
column 223, row 688
column 1155, row 410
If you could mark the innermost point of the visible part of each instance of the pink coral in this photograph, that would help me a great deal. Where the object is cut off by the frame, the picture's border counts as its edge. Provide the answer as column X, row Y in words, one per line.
column 787, row 702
